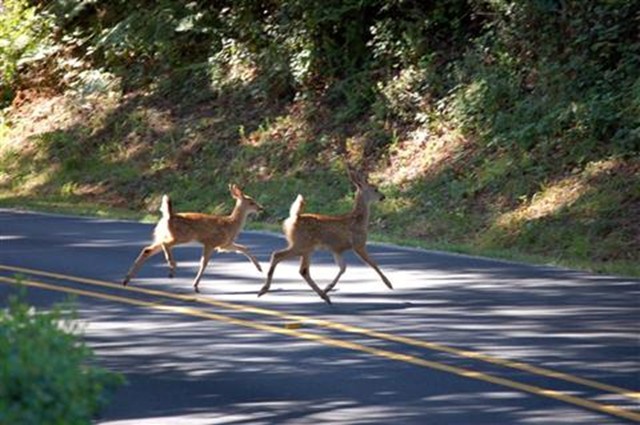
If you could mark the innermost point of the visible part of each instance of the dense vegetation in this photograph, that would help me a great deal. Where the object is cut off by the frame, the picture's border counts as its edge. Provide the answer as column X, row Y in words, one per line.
column 46, row 372
column 494, row 126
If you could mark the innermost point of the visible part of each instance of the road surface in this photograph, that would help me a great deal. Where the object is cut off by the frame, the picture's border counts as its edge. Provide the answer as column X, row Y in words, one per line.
column 460, row 340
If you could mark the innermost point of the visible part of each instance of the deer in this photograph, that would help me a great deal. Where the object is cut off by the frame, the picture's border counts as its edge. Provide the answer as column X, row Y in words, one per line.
column 214, row 232
column 337, row 233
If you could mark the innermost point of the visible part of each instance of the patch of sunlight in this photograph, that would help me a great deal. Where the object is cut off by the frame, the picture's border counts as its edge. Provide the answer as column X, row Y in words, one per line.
column 287, row 128
column 425, row 151
column 233, row 64
column 5, row 129
column 545, row 203
column 10, row 237
column 36, row 180
column 205, row 418
column 36, row 113
column 557, row 196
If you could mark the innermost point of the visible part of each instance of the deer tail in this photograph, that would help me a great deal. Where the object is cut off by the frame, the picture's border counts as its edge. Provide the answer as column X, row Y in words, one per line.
column 166, row 208
column 297, row 207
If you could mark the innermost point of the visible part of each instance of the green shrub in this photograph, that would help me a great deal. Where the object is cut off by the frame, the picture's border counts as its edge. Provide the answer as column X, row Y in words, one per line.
column 46, row 372
column 23, row 37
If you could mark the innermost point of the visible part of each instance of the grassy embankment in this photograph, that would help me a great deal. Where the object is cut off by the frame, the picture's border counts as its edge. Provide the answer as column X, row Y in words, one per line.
column 493, row 129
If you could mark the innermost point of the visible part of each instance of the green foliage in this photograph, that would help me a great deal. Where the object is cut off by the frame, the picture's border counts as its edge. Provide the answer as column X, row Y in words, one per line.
column 504, row 98
column 46, row 372
column 24, row 37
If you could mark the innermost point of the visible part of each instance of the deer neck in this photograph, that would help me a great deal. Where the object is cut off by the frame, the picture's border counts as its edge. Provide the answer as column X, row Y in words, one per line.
column 360, row 212
column 238, row 216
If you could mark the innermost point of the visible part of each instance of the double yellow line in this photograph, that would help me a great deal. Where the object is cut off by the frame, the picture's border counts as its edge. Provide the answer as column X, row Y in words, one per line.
column 599, row 407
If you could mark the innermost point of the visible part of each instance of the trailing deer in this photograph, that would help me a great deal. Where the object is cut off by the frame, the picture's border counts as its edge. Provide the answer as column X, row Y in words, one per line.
column 215, row 233
column 307, row 232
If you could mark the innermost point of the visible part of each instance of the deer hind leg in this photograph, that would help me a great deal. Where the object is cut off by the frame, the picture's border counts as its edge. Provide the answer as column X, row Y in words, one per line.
column 276, row 257
column 144, row 255
column 241, row 249
column 305, row 262
column 343, row 266
column 364, row 255
column 204, row 260
column 168, row 255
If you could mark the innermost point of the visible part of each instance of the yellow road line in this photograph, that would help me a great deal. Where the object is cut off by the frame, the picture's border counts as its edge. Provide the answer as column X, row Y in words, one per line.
column 347, row 328
column 391, row 355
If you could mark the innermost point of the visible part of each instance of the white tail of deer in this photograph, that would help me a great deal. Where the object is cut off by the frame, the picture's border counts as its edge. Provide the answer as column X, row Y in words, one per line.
column 308, row 232
column 215, row 233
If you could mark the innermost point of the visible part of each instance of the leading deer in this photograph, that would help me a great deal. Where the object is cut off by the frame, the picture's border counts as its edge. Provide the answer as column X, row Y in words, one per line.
column 307, row 232
column 215, row 233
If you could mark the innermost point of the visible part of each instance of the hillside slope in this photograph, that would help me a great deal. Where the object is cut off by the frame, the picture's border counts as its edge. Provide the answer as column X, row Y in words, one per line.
column 494, row 127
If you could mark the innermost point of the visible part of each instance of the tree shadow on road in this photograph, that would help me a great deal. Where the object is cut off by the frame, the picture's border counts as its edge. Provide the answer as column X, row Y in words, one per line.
column 216, row 372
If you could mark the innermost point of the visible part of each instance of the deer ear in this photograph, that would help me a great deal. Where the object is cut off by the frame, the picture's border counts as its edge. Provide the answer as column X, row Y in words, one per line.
column 235, row 191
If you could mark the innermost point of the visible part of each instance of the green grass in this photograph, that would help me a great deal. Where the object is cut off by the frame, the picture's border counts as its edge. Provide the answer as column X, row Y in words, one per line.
column 503, row 202
column 480, row 201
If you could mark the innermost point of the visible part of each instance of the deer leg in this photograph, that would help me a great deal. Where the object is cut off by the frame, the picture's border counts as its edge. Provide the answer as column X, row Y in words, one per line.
column 241, row 249
column 305, row 262
column 364, row 255
column 276, row 257
column 142, row 257
column 343, row 266
column 204, row 260
column 168, row 255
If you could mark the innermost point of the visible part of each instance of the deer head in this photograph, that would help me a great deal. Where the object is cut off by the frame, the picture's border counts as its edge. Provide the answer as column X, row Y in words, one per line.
column 244, row 202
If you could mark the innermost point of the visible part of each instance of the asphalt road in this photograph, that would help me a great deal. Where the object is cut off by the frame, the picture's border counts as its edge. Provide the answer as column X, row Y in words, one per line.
column 461, row 340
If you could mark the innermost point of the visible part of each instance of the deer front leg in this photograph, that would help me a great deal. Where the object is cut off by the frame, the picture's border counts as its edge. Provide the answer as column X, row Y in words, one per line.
column 276, row 257
column 343, row 266
column 364, row 255
column 204, row 260
column 142, row 257
column 241, row 249
column 305, row 262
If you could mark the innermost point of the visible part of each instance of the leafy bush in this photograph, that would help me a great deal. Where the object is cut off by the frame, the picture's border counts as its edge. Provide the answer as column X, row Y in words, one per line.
column 23, row 36
column 46, row 373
